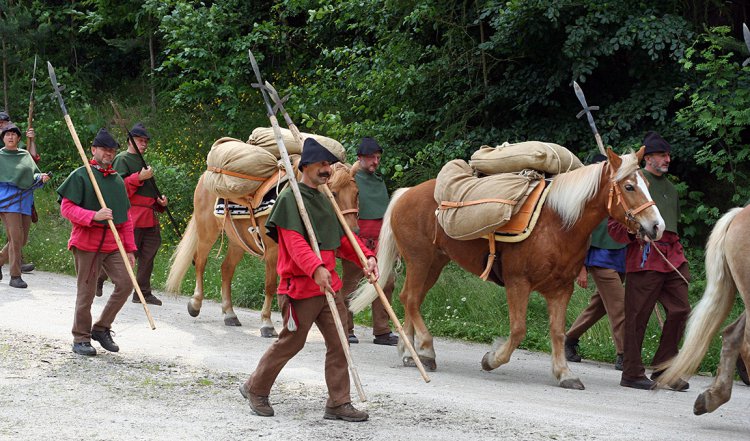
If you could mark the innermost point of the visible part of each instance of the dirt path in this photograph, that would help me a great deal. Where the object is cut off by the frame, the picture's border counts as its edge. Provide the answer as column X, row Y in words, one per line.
column 179, row 382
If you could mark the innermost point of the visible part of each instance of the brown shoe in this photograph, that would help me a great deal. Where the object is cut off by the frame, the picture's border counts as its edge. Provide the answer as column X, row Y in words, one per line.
column 258, row 403
column 149, row 298
column 638, row 383
column 345, row 412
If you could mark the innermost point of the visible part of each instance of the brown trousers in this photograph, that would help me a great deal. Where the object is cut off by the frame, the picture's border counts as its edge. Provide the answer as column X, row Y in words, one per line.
column 308, row 311
column 88, row 264
column 148, row 241
column 17, row 229
column 352, row 274
column 642, row 290
column 608, row 299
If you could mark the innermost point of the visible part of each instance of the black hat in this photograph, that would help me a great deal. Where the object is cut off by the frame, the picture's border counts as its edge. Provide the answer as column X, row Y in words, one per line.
column 655, row 143
column 104, row 139
column 139, row 130
column 313, row 151
column 10, row 128
column 368, row 146
column 596, row 158
column 4, row 116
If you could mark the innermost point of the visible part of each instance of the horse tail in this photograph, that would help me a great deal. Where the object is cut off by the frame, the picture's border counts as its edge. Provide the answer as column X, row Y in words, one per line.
column 387, row 257
column 713, row 308
column 182, row 257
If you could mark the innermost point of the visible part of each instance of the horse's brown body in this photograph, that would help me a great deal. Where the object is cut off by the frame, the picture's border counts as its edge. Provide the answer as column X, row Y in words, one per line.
column 727, row 272
column 203, row 230
column 546, row 262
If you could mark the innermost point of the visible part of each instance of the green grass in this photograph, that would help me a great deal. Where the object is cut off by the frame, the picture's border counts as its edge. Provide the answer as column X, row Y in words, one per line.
column 460, row 305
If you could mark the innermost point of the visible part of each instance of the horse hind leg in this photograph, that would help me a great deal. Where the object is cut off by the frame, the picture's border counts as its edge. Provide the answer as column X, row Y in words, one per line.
column 720, row 390
column 267, row 329
column 228, row 266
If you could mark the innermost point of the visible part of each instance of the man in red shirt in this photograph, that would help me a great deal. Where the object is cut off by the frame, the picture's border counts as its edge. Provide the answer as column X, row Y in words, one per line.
column 304, row 279
column 94, row 246
column 145, row 203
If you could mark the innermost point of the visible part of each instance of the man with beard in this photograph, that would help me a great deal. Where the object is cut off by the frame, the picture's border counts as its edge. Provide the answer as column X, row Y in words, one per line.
column 93, row 244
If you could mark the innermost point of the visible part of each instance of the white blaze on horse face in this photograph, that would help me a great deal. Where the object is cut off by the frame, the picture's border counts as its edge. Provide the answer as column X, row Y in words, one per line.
column 656, row 216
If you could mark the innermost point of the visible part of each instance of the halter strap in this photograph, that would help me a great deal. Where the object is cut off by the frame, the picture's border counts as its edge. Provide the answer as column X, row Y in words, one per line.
column 614, row 190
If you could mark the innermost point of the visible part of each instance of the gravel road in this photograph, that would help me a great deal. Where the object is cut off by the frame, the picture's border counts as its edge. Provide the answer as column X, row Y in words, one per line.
column 179, row 382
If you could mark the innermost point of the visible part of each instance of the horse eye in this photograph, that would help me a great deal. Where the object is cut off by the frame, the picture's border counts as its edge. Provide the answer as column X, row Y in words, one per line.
column 629, row 187
column 335, row 193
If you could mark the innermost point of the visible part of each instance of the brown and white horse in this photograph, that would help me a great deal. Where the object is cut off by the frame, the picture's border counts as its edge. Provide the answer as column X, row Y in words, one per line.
column 204, row 228
column 546, row 262
column 727, row 271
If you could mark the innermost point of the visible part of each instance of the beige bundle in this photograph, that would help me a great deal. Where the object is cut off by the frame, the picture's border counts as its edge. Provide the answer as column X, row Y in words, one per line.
column 470, row 207
column 265, row 138
column 236, row 169
column 536, row 155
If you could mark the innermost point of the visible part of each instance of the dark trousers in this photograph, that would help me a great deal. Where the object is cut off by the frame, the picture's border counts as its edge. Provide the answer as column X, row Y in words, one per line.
column 609, row 299
column 148, row 241
column 308, row 311
column 88, row 265
column 642, row 290
column 352, row 274
column 17, row 229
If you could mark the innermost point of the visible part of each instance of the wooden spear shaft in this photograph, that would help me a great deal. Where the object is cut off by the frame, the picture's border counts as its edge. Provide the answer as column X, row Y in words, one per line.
column 99, row 196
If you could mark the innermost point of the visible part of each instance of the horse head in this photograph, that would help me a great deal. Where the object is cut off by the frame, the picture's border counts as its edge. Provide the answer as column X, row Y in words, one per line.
column 629, row 199
column 345, row 190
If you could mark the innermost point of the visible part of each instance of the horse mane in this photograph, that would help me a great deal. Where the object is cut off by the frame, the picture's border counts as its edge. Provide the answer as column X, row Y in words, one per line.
column 340, row 175
column 571, row 191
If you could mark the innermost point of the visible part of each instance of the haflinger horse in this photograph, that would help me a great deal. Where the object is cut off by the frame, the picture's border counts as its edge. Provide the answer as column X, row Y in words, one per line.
column 727, row 271
column 547, row 261
column 204, row 228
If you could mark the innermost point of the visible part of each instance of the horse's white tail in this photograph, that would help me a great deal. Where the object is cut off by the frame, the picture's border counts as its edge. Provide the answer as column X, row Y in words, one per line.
column 711, row 310
column 387, row 256
column 182, row 257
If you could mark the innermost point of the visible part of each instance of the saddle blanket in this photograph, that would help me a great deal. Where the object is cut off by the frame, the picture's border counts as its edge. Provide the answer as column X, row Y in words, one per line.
column 239, row 211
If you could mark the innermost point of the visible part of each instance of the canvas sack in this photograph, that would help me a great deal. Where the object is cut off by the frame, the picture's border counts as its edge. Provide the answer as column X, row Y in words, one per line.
column 470, row 207
column 264, row 137
column 234, row 156
column 536, row 155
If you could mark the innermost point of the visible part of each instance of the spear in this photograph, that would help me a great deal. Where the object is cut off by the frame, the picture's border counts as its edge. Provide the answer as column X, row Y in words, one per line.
column 306, row 221
column 31, row 97
column 74, row 134
column 587, row 111
column 151, row 180
column 279, row 103
column 746, row 34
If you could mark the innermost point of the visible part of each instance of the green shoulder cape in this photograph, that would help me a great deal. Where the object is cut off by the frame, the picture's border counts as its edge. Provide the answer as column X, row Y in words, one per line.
column 79, row 190
column 18, row 167
column 373, row 195
column 667, row 200
column 285, row 214
column 126, row 164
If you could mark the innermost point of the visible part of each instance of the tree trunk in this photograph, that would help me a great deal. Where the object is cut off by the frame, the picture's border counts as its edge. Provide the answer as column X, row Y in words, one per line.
column 5, row 78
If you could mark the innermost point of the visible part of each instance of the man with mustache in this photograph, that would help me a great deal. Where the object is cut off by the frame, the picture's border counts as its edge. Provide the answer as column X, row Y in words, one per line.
column 304, row 279
column 94, row 246
column 651, row 279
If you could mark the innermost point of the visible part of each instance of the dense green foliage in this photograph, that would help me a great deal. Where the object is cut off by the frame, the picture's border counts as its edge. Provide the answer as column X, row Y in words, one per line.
column 432, row 80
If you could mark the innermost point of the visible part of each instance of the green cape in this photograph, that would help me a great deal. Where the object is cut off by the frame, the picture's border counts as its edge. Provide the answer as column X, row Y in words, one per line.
column 600, row 238
column 285, row 214
column 18, row 167
column 79, row 190
column 126, row 164
column 667, row 200
column 373, row 195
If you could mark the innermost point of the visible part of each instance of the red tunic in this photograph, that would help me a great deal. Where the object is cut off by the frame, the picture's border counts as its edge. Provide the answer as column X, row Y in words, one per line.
column 87, row 234
column 669, row 245
column 141, row 207
column 297, row 263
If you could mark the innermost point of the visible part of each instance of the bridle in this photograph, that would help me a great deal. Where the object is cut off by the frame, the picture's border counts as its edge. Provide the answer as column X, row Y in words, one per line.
column 336, row 167
column 615, row 192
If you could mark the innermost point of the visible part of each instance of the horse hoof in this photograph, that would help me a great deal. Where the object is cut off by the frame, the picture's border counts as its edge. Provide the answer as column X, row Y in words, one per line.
column 486, row 362
column 428, row 363
column 268, row 332
column 699, row 408
column 572, row 383
column 192, row 311
column 232, row 321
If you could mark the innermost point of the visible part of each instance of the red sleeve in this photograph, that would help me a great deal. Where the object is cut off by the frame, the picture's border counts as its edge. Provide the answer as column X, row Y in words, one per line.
column 347, row 251
column 132, row 184
column 76, row 214
column 299, row 250
column 619, row 232
column 36, row 158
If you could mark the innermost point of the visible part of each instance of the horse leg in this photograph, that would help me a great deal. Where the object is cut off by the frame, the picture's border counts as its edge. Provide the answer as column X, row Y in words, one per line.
column 200, row 258
column 721, row 389
column 556, row 308
column 233, row 257
column 518, row 300
column 266, row 328
column 416, row 285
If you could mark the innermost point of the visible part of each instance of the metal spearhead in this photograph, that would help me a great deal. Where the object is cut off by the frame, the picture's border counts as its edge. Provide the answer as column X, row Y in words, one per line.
column 746, row 34
column 587, row 111
column 56, row 86
column 33, row 78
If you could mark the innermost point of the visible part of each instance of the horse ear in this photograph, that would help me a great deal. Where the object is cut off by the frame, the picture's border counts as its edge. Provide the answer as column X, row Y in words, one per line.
column 614, row 160
column 640, row 153
column 354, row 169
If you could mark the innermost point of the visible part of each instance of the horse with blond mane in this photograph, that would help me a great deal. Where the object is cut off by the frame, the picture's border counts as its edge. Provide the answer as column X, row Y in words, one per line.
column 547, row 261
column 204, row 228
column 727, row 271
